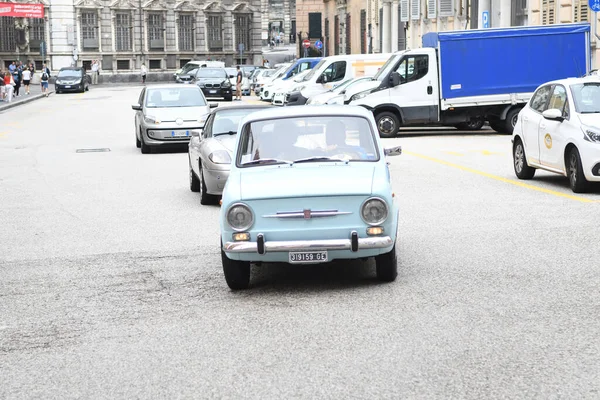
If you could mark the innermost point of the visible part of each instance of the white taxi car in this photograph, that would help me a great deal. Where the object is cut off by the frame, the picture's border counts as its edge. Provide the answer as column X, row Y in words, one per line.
column 559, row 131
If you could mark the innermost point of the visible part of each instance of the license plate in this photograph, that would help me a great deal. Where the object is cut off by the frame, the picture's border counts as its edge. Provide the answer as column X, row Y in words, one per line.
column 180, row 133
column 67, row 86
column 307, row 256
column 212, row 91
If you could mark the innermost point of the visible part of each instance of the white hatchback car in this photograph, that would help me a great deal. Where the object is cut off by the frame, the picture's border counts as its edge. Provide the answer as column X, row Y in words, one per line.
column 559, row 131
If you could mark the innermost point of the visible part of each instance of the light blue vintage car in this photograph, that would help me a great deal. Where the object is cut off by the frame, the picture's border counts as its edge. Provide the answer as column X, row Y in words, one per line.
column 308, row 185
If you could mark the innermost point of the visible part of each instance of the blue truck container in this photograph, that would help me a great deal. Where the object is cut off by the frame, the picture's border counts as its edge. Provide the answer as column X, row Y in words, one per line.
column 514, row 60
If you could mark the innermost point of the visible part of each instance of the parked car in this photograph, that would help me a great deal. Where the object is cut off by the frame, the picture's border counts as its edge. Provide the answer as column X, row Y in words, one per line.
column 337, row 95
column 214, row 82
column 210, row 151
column 559, row 131
column 258, row 79
column 191, row 67
column 168, row 114
column 72, row 79
column 308, row 185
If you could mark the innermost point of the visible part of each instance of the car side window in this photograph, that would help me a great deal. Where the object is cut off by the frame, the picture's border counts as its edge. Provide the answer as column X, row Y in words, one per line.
column 207, row 131
column 413, row 68
column 558, row 99
column 141, row 99
column 540, row 99
column 336, row 71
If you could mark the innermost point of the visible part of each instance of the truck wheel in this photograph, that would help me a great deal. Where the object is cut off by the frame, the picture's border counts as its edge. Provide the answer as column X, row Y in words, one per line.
column 237, row 273
column 388, row 124
column 511, row 120
column 471, row 125
column 522, row 170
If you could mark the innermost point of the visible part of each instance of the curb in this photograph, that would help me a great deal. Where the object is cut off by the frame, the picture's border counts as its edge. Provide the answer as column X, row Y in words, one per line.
column 8, row 106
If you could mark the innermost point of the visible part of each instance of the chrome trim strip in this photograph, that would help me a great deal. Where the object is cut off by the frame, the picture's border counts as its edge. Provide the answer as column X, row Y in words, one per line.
column 313, row 214
column 309, row 245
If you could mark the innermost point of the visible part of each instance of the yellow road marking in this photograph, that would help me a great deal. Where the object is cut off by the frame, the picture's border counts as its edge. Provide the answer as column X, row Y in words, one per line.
column 501, row 179
column 488, row 153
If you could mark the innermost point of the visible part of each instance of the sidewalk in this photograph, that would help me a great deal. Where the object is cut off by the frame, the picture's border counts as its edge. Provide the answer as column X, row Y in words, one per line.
column 35, row 92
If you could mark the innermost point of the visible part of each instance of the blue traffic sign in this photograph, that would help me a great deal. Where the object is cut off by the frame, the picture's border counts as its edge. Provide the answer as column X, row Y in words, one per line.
column 319, row 44
column 485, row 18
column 594, row 5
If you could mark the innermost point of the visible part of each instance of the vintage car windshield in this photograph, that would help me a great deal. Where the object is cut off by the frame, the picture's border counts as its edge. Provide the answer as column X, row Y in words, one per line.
column 307, row 139
column 211, row 73
column 226, row 122
column 586, row 97
column 175, row 97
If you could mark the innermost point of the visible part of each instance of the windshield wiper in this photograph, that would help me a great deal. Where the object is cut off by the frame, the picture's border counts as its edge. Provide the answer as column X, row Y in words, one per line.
column 266, row 161
column 318, row 158
column 590, row 112
column 226, row 133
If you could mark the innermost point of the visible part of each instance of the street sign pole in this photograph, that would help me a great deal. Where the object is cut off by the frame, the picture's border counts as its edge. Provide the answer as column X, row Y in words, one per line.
column 595, row 7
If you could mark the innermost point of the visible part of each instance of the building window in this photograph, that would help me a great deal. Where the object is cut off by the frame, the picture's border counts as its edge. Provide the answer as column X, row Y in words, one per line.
column 89, row 29
column 314, row 26
column 548, row 12
column 363, row 31
column 185, row 32
column 336, row 35
column 519, row 13
column 37, row 33
column 581, row 11
column 242, row 31
column 156, row 36
column 215, row 32
column 7, row 34
column 348, row 35
column 122, row 64
column 155, row 64
column 123, row 31
column 183, row 61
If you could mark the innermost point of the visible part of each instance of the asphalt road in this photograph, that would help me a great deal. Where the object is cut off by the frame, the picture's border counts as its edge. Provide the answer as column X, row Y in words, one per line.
column 111, row 283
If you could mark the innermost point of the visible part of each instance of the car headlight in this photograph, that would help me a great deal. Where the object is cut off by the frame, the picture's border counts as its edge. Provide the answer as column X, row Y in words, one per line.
column 226, row 84
column 78, row 81
column 151, row 120
column 591, row 134
column 336, row 100
column 240, row 217
column 360, row 95
column 374, row 211
column 219, row 157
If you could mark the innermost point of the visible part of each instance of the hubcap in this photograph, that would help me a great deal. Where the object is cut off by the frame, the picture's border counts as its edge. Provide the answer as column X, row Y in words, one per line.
column 200, row 178
column 573, row 169
column 519, row 161
column 386, row 125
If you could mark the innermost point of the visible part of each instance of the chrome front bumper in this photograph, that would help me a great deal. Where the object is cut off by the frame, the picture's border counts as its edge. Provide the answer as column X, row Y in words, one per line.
column 377, row 242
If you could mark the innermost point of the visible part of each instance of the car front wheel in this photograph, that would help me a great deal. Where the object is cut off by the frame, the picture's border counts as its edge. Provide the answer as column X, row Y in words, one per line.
column 387, row 266
column 577, row 179
column 205, row 197
column 194, row 181
column 522, row 170
column 237, row 273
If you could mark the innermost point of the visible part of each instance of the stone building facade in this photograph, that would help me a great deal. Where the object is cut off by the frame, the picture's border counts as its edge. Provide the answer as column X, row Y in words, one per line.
column 123, row 34
column 279, row 17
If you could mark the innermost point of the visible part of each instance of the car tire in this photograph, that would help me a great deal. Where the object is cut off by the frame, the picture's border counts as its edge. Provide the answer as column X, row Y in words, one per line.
column 388, row 124
column 138, row 144
column 522, row 169
column 511, row 120
column 498, row 125
column 144, row 147
column 577, row 180
column 228, row 98
column 87, row 88
column 57, row 91
column 386, row 266
column 472, row 125
column 237, row 273
column 205, row 198
column 194, row 181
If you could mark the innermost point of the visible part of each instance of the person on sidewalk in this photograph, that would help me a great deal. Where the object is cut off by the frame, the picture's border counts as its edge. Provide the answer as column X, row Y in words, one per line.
column 238, row 84
column 9, row 86
column 144, row 72
column 26, row 80
column 44, row 78
column 2, row 86
column 95, row 72
column 18, row 78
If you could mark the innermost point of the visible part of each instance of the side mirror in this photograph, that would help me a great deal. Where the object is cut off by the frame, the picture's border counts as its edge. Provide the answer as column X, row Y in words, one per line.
column 136, row 107
column 231, row 76
column 394, row 79
column 553, row 114
column 213, row 105
column 392, row 151
column 195, row 134
column 324, row 79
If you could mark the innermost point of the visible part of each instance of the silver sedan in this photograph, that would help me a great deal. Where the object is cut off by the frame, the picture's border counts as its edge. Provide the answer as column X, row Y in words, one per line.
column 168, row 114
column 210, row 151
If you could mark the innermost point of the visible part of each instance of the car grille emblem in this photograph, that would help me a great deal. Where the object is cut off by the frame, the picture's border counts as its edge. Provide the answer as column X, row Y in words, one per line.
column 179, row 121
column 307, row 214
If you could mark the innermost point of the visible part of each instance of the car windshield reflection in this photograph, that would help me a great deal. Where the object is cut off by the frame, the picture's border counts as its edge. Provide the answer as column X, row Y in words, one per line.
column 178, row 97
column 226, row 122
column 586, row 97
column 306, row 140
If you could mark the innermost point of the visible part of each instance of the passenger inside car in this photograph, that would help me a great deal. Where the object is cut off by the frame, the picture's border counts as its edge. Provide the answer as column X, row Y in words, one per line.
column 336, row 136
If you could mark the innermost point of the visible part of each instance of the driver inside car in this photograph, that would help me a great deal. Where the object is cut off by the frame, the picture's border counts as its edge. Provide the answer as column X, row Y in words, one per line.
column 279, row 143
column 335, row 134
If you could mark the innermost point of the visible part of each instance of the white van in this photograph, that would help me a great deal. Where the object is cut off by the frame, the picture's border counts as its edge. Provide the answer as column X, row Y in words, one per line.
column 192, row 65
column 331, row 71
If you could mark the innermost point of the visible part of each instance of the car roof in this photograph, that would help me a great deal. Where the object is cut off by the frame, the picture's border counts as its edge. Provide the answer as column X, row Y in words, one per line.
column 242, row 107
column 170, row 86
column 310, row 111
column 573, row 80
column 71, row 68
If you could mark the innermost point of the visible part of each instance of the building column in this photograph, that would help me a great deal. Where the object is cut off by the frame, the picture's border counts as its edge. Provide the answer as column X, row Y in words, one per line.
column 483, row 5
column 394, row 25
column 386, row 42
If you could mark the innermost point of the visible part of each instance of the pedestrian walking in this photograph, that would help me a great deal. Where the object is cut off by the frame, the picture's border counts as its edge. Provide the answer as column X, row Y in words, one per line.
column 18, row 77
column 26, row 80
column 95, row 72
column 238, row 84
column 144, row 72
column 44, row 78
column 9, row 84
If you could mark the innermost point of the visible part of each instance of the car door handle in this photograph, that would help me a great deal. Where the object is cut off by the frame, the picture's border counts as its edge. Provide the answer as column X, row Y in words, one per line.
column 429, row 89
